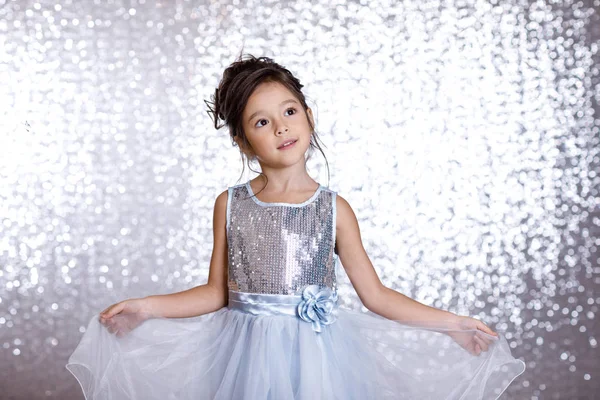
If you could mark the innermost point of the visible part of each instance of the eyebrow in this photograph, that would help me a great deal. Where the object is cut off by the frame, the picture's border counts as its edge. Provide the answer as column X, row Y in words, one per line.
column 280, row 104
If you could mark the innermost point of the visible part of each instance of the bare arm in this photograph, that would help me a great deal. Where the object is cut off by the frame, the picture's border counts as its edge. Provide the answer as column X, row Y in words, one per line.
column 205, row 298
column 375, row 296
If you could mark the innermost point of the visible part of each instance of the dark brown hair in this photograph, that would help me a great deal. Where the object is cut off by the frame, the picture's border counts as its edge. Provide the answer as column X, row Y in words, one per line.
column 239, row 81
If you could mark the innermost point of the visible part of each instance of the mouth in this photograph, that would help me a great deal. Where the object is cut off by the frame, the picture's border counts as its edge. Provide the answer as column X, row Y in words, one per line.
column 287, row 144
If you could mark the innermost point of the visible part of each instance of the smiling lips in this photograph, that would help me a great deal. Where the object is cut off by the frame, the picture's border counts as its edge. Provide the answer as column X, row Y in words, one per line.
column 287, row 144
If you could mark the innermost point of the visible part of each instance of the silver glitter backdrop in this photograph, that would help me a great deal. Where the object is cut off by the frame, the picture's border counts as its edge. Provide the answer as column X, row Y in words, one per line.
column 465, row 134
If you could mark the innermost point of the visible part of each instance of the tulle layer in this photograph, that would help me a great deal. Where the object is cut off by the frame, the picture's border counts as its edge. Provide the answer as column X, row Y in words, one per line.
column 230, row 354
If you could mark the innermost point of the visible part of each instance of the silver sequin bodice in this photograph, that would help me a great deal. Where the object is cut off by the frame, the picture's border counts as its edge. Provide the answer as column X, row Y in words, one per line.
column 279, row 248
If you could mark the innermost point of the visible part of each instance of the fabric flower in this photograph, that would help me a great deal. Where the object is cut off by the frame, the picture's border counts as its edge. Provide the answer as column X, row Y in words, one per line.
column 317, row 306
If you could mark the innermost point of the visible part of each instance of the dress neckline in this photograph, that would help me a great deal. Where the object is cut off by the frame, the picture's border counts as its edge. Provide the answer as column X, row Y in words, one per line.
column 266, row 204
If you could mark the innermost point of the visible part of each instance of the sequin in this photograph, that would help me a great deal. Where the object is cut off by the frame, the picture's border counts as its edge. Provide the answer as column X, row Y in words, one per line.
column 279, row 248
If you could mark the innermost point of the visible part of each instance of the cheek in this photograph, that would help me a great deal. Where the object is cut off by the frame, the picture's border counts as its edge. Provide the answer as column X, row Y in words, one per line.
column 256, row 144
column 305, row 120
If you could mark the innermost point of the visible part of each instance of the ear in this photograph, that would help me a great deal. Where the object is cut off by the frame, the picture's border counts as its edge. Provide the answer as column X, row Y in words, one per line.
column 236, row 139
column 310, row 115
column 245, row 148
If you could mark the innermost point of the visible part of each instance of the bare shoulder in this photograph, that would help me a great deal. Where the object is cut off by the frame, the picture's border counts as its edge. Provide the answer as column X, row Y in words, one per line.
column 221, row 200
column 341, row 202
column 345, row 214
column 346, row 227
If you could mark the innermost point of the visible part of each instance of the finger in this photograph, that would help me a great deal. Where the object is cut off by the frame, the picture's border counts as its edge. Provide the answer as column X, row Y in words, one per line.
column 488, row 339
column 473, row 349
column 117, row 308
column 483, row 327
column 481, row 343
column 111, row 310
column 105, row 310
column 111, row 326
column 106, row 313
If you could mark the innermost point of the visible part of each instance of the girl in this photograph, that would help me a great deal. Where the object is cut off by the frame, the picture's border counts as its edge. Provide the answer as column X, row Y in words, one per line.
column 267, row 324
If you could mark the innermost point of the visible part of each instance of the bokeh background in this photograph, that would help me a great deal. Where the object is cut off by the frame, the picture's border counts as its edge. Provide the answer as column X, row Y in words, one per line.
column 464, row 133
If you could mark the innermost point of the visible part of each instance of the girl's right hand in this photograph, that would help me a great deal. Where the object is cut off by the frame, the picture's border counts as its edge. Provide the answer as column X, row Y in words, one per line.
column 125, row 316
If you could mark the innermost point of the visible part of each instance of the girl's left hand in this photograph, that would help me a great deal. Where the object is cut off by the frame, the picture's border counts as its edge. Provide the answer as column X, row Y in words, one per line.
column 474, row 342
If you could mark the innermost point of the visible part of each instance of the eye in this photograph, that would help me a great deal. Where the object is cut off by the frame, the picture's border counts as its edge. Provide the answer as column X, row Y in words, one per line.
column 258, row 123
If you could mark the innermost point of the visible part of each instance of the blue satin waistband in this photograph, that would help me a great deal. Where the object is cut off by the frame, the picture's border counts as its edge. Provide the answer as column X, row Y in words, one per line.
column 316, row 305
column 264, row 304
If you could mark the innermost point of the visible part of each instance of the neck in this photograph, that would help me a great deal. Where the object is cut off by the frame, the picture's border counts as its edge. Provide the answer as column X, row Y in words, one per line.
column 293, row 178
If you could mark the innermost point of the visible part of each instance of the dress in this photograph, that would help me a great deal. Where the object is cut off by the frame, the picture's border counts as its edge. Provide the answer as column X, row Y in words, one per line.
column 283, row 334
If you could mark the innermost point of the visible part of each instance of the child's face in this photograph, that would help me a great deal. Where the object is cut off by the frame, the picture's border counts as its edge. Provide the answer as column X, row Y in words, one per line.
column 273, row 116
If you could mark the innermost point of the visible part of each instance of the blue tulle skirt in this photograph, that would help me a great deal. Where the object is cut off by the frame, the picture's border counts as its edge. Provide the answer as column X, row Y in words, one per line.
column 259, row 348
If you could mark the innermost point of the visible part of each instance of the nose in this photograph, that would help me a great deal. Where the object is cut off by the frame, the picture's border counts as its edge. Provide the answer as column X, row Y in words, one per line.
column 282, row 129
